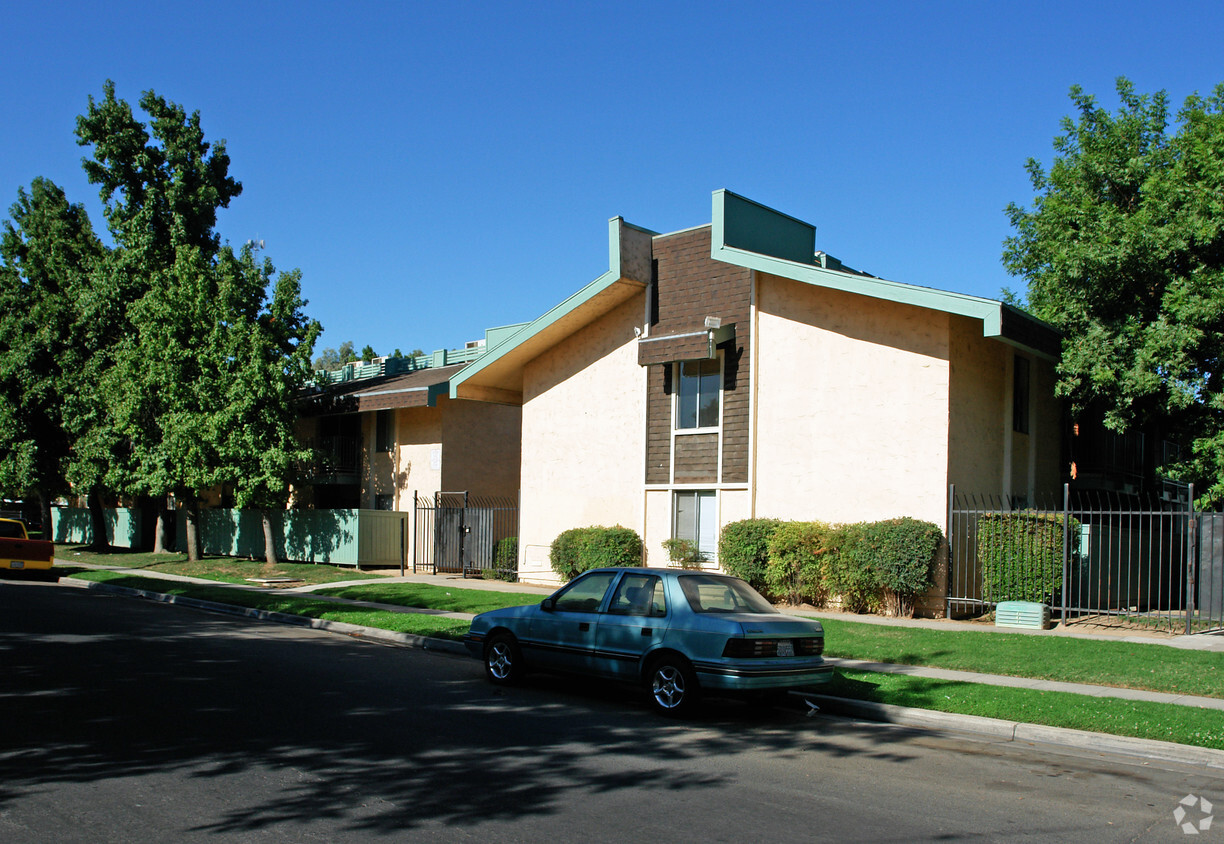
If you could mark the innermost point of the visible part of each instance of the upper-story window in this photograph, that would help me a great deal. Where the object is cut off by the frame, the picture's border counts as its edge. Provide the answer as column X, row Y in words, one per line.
column 698, row 398
column 1020, row 395
column 384, row 439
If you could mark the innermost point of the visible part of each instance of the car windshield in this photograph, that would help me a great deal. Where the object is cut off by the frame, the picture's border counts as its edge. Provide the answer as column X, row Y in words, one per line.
column 714, row 593
column 11, row 530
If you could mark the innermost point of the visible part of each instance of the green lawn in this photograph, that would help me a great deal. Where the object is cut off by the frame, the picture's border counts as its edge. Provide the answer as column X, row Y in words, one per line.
column 450, row 599
column 1138, row 719
column 274, row 601
column 1097, row 661
column 224, row 569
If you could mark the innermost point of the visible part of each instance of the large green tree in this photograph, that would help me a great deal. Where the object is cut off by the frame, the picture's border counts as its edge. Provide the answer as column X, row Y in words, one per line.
column 265, row 364
column 1123, row 249
column 48, row 251
column 161, row 186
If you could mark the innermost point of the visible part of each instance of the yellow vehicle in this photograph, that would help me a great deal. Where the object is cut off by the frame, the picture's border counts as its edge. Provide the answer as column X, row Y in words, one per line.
column 19, row 552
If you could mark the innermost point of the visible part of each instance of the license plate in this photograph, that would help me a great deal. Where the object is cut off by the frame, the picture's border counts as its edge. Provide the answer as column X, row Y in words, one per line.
column 17, row 564
column 786, row 648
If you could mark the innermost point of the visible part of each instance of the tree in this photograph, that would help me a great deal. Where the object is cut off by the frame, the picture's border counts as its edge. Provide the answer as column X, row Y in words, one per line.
column 267, row 363
column 161, row 186
column 47, row 252
column 1123, row 250
column 368, row 354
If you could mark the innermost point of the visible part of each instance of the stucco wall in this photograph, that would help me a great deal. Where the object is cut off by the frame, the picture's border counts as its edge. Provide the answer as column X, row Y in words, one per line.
column 583, row 436
column 980, row 453
column 481, row 442
column 978, row 418
column 852, row 409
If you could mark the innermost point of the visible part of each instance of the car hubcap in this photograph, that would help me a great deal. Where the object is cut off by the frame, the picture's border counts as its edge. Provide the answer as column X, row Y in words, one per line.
column 668, row 687
column 499, row 660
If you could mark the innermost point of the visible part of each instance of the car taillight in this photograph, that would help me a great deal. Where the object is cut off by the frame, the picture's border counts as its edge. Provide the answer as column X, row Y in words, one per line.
column 763, row 648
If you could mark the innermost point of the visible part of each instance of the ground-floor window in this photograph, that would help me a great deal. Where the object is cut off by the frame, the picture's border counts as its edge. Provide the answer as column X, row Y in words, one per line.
column 695, row 518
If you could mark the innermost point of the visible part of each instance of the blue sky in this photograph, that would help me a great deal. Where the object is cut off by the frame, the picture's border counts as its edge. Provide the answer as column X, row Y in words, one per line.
column 435, row 169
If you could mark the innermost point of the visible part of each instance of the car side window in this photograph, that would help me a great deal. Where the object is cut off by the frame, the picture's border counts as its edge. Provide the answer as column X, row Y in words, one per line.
column 639, row 594
column 585, row 594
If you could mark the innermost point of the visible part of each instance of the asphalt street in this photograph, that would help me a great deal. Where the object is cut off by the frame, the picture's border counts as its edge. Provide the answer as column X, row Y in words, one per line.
column 131, row 721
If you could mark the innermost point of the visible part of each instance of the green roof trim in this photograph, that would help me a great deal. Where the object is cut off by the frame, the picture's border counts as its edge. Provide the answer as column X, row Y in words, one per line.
column 495, row 377
column 738, row 221
column 746, row 234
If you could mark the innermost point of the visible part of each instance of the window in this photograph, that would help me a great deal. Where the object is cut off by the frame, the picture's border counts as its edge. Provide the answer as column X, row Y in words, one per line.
column 638, row 594
column 694, row 518
column 384, row 502
column 1020, row 396
column 697, row 399
column 585, row 594
column 384, row 439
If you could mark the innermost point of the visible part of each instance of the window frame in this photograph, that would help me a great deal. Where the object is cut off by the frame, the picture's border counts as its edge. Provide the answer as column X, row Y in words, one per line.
column 678, row 378
column 710, row 552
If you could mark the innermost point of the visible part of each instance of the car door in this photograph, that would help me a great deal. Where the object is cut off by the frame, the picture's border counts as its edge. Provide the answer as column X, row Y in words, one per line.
column 562, row 635
column 634, row 622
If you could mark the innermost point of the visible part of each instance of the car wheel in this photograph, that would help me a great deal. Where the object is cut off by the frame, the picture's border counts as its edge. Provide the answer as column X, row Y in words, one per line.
column 672, row 686
column 503, row 660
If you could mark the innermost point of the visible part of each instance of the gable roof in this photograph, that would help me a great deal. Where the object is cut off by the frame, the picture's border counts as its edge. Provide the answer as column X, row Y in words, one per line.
column 746, row 234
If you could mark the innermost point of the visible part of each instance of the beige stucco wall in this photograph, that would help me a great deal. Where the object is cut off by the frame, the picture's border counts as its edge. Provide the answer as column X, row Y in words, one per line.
column 987, row 457
column 852, row 406
column 584, row 436
column 481, row 443
column 981, row 414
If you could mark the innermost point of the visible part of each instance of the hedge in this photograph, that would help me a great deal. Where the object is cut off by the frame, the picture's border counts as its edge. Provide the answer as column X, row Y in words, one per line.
column 795, row 572
column 505, row 560
column 1022, row 555
column 743, row 550
column 582, row 549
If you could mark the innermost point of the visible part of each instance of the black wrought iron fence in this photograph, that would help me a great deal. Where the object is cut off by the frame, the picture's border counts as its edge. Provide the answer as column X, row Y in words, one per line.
column 455, row 532
column 1108, row 559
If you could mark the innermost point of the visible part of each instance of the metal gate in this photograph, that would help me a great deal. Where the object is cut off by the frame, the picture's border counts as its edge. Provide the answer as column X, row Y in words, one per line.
column 1155, row 564
column 456, row 532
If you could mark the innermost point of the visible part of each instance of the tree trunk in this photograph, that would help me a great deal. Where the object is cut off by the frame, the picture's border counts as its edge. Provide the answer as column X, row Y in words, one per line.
column 192, row 509
column 97, row 522
column 160, row 529
column 44, row 509
column 269, row 540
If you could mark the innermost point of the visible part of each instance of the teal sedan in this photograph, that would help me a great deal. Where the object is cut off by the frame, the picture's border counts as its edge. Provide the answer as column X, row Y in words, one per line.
column 677, row 632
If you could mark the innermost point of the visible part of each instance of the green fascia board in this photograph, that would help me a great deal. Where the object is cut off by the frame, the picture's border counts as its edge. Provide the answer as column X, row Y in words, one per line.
column 618, row 229
column 737, row 221
column 533, row 328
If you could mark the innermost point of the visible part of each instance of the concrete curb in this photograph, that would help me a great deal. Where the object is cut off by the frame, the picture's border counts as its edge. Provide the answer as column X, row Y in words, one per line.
column 1163, row 751
column 930, row 719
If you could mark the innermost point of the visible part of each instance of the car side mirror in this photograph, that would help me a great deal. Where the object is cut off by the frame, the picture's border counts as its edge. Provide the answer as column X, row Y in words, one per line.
column 547, row 604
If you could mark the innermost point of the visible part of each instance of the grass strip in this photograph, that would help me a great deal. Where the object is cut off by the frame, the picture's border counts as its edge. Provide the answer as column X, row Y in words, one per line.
column 222, row 569
column 1113, row 716
column 1070, row 660
column 426, row 595
column 416, row 623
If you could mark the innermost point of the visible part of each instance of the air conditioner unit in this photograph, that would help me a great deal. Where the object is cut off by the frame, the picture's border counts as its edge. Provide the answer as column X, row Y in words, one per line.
column 1027, row 615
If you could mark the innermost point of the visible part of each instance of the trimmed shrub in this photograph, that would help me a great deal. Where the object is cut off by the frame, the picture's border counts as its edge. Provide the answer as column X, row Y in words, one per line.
column 505, row 560
column 903, row 551
column 795, row 572
column 850, row 569
column 1022, row 555
column 743, row 550
column 581, row 549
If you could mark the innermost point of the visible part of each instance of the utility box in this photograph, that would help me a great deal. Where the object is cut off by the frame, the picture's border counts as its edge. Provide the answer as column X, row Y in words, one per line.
column 1027, row 615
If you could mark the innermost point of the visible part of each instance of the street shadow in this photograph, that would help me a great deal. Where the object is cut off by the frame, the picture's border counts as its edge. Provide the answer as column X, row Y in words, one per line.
column 340, row 719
